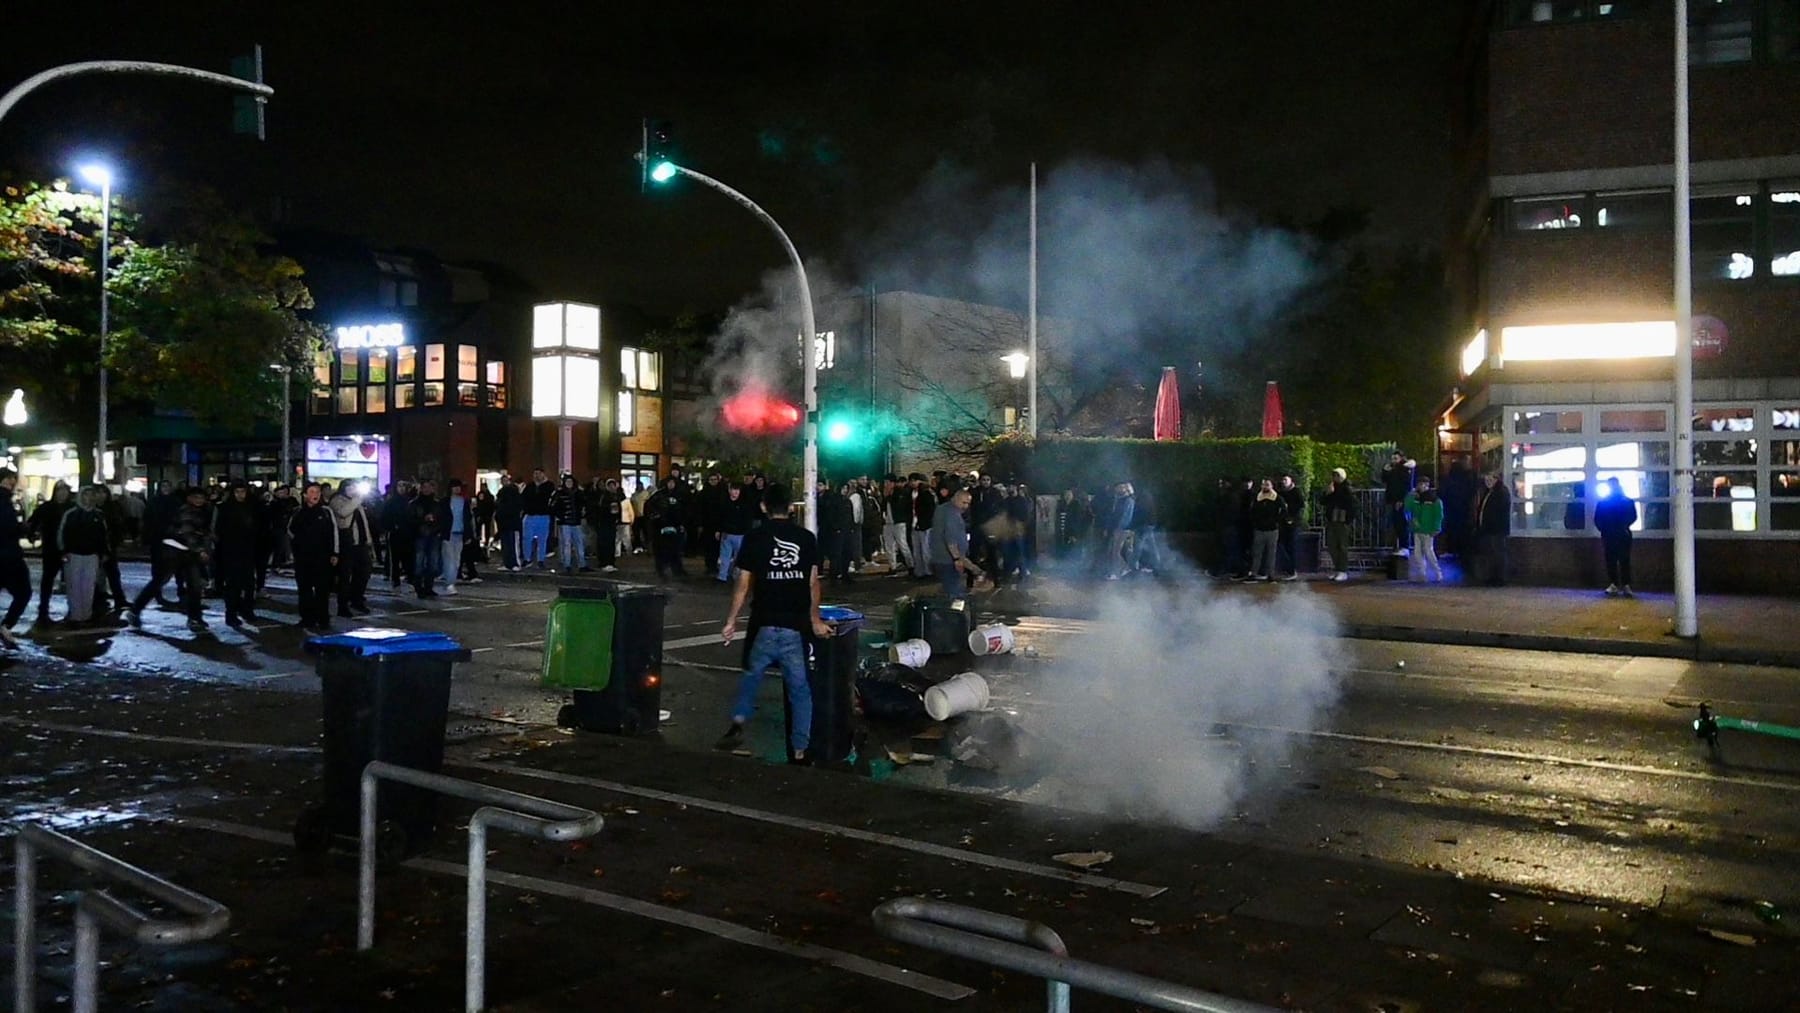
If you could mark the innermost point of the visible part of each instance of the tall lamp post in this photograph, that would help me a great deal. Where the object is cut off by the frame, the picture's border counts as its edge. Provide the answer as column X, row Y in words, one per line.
column 287, row 412
column 101, row 176
column 1017, row 364
column 1687, row 612
column 663, row 170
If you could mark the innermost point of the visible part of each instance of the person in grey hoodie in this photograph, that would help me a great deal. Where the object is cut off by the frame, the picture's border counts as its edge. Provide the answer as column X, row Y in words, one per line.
column 356, row 546
column 950, row 544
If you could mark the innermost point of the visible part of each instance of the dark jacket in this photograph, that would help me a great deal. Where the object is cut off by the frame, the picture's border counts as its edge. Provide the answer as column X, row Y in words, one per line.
column 46, row 523
column 193, row 527
column 237, row 527
column 430, row 517
column 734, row 516
column 11, row 528
column 536, row 497
column 509, row 507
column 1267, row 514
column 1396, row 481
column 1339, row 503
column 315, row 533
column 159, row 516
column 83, row 533
column 924, row 505
column 1615, row 515
column 1493, row 513
column 569, row 507
column 835, row 513
column 1294, row 502
column 667, row 509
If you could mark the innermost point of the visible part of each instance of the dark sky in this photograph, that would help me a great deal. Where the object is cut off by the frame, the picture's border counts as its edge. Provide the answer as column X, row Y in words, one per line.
column 508, row 135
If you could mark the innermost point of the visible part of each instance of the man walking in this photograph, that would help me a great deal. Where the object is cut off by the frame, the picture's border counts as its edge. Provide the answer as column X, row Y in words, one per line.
column 569, row 507
column 188, row 542
column 778, row 572
column 734, row 524
column 950, row 544
column 1425, row 513
column 509, row 519
column 237, row 532
column 313, row 534
column 15, row 578
column 456, row 525
column 428, row 539
column 896, row 519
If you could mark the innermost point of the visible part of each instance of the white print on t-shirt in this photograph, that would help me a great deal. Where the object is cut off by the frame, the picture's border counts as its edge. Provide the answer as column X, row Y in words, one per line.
column 785, row 557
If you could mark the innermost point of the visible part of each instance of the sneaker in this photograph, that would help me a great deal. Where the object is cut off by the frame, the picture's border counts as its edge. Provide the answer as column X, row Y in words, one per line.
column 1341, row 576
column 196, row 626
column 1612, row 590
column 7, row 639
column 448, row 589
column 1267, row 580
column 1291, row 576
column 426, row 592
column 512, row 569
column 1625, row 591
column 799, row 760
column 132, row 617
column 609, row 569
column 732, row 737
column 473, row 580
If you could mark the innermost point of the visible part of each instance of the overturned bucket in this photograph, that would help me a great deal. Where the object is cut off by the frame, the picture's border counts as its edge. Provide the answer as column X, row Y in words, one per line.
column 994, row 639
column 966, row 692
column 911, row 653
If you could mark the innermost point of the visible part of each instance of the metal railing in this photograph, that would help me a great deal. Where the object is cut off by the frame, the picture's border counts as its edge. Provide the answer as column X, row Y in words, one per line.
column 1033, row 948
column 500, row 808
column 97, row 908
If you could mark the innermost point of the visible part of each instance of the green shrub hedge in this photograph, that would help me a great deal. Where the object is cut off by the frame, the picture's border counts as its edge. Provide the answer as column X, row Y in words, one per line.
column 1182, row 476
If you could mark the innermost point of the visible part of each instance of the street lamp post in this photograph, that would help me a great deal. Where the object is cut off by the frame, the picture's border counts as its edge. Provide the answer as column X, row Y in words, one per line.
column 287, row 412
column 101, row 176
column 1687, row 613
column 1017, row 364
column 665, row 170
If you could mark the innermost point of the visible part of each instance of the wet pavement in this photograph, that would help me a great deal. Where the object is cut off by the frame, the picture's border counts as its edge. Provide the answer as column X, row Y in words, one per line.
column 1452, row 827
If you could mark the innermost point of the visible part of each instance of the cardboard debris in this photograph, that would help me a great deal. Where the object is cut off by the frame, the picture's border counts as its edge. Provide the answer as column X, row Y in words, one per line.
column 1084, row 859
column 1387, row 773
column 1734, row 938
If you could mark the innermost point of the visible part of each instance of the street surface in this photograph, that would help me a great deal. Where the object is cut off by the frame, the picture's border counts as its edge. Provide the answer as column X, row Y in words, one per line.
column 1448, row 828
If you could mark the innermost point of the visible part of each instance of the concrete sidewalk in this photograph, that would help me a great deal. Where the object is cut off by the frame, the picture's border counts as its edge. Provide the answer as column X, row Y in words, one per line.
column 1741, row 629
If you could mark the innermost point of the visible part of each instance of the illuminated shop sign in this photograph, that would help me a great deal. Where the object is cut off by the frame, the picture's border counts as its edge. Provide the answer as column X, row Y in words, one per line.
column 371, row 336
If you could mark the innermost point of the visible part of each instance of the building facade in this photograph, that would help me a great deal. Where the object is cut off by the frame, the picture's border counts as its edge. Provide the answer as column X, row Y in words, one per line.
column 1562, row 259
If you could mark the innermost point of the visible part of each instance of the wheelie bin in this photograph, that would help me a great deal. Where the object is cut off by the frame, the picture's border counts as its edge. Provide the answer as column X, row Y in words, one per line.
column 831, row 673
column 385, row 696
column 940, row 622
column 605, row 646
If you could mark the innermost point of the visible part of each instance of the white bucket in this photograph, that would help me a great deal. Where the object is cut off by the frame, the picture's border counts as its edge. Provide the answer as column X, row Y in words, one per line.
column 911, row 653
column 966, row 692
column 994, row 639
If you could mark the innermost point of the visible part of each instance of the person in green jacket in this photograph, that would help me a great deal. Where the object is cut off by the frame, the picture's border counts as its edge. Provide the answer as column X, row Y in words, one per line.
column 1425, row 515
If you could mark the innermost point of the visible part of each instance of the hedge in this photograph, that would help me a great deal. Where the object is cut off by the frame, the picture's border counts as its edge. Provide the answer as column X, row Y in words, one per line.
column 1182, row 476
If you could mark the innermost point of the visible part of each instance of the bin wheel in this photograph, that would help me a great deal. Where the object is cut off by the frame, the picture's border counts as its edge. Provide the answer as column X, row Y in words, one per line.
column 312, row 834
column 392, row 844
column 631, row 723
column 565, row 716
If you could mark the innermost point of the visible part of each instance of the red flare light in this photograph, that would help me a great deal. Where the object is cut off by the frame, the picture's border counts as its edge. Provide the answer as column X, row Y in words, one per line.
column 756, row 413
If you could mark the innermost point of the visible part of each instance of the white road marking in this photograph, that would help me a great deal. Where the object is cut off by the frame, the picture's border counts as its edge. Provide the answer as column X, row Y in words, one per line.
column 831, row 830
column 697, row 641
column 1514, row 754
column 937, row 988
column 175, row 740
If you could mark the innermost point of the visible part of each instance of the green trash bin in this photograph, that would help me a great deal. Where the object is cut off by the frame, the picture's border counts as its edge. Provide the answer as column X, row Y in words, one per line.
column 578, row 640
column 605, row 647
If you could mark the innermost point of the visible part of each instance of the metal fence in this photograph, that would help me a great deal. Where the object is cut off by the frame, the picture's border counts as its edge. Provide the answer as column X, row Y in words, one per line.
column 522, row 814
column 96, row 908
column 1034, row 948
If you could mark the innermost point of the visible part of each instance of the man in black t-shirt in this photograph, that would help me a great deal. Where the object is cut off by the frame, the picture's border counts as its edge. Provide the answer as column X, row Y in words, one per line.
column 780, row 564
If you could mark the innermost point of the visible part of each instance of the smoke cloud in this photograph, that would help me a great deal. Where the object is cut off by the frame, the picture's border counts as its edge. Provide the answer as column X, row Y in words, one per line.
column 1123, row 720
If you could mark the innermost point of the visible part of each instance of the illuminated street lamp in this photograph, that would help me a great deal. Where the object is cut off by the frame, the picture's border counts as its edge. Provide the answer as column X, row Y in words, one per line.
column 101, row 176
column 1016, row 364
column 15, row 414
column 565, row 370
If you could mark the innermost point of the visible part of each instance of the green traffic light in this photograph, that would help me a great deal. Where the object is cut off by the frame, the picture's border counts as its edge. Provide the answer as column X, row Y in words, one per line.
column 837, row 431
column 662, row 171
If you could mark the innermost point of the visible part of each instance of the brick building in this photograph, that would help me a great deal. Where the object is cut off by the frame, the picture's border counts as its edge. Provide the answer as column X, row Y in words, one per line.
column 1562, row 262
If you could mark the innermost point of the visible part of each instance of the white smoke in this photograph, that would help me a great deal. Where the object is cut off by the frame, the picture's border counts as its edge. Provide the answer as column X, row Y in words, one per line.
column 1123, row 720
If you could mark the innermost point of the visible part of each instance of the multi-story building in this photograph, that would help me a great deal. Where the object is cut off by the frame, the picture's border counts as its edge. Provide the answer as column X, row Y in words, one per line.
column 1562, row 258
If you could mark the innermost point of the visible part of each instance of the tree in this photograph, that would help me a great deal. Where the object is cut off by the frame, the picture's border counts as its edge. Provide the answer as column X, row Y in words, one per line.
column 198, row 315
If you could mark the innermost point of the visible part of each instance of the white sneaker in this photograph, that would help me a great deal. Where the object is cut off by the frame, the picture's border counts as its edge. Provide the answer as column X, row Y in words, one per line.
column 609, row 569
column 1611, row 590
column 1625, row 591
column 473, row 580
column 1341, row 576
column 448, row 589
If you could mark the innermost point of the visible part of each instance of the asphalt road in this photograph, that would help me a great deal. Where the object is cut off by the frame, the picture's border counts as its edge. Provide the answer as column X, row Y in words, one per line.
column 1408, row 809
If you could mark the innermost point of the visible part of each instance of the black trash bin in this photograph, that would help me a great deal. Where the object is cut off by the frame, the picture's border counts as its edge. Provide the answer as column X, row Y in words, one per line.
column 940, row 622
column 831, row 673
column 630, row 701
column 386, row 696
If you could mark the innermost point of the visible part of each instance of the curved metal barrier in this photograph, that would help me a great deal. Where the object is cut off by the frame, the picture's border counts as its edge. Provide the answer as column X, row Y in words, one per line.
column 502, row 809
column 1001, row 940
column 96, row 908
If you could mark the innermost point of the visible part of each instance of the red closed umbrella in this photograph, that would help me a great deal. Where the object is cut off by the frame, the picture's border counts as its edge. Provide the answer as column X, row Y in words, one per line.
column 1168, row 407
column 1271, row 411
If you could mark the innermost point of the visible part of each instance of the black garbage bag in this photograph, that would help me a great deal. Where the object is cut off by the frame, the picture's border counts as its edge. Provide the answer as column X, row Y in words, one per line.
column 892, row 692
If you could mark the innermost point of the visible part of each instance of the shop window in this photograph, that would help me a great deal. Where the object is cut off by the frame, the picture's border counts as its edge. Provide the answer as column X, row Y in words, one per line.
column 374, row 399
column 1634, row 209
column 1784, row 418
column 1559, row 515
column 496, row 384
column 1647, row 454
column 468, row 395
column 1547, row 12
column 1784, row 501
column 1724, row 420
column 1634, row 420
column 1785, row 454
column 1531, row 423
column 434, row 394
column 379, row 360
column 627, row 417
column 1784, row 228
column 1725, row 500
column 348, row 373
column 406, row 364
column 1725, row 453
column 1721, row 31
column 639, row 370
column 468, row 368
column 1532, row 214
column 346, row 401
column 406, row 395
column 1724, row 229
column 321, row 384
column 637, row 471
column 434, row 364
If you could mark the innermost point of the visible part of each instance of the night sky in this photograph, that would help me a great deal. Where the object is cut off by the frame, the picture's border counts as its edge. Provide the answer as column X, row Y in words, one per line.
column 508, row 136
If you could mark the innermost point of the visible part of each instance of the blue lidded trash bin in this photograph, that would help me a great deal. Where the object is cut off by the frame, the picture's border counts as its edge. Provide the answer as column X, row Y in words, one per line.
column 831, row 673
column 386, row 696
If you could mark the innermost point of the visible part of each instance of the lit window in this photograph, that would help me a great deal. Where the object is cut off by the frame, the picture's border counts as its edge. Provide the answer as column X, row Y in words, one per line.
column 1784, row 226
column 1531, row 214
column 434, row 394
column 1724, row 420
column 1474, row 354
column 639, row 370
column 406, row 396
column 406, row 364
column 434, row 363
column 378, row 365
column 321, row 385
column 468, row 368
column 1532, row 423
column 346, row 401
column 627, row 418
column 374, row 399
column 649, row 371
column 348, row 373
column 496, row 384
column 627, row 368
column 1634, row 209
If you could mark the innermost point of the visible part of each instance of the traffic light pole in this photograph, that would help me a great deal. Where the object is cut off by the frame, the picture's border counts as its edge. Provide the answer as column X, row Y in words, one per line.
column 808, row 346
column 32, row 83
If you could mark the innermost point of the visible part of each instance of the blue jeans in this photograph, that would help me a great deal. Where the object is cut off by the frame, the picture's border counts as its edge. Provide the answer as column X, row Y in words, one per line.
column 428, row 560
column 950, row 579
column 574, row 546
column 728, row 550
column 536, row 541
column 787, row 648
